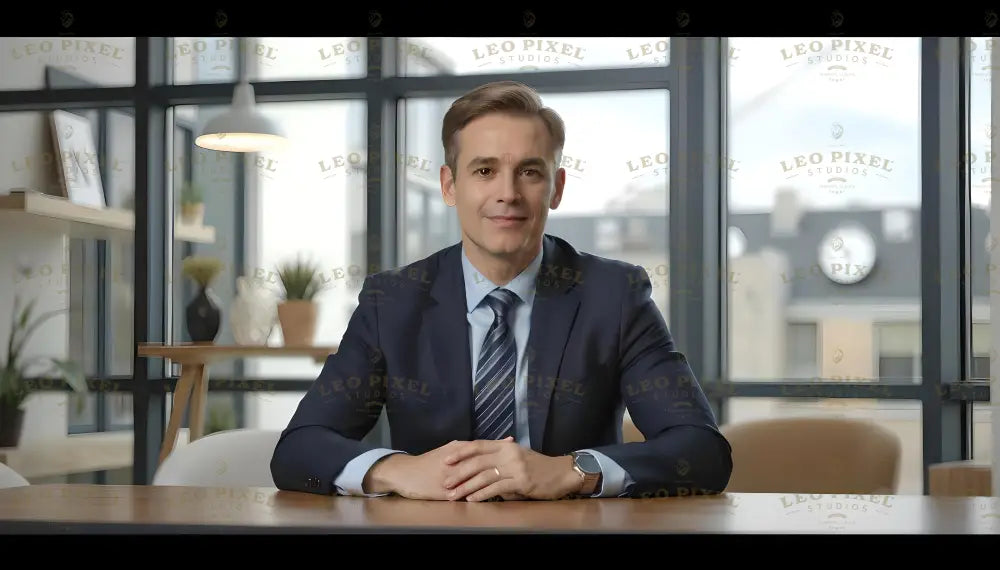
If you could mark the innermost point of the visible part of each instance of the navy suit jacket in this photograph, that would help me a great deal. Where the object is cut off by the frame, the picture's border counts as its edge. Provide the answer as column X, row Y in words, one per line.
column 597, row 345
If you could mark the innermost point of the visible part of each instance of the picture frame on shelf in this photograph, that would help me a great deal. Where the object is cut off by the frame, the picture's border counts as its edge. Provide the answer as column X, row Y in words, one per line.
column 78, row 163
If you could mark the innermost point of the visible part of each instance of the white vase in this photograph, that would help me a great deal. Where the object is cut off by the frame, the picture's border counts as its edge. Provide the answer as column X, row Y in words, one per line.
column 253, row 312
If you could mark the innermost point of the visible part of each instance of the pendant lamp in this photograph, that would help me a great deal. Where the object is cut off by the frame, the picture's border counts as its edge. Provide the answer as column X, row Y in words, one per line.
column 242, row 128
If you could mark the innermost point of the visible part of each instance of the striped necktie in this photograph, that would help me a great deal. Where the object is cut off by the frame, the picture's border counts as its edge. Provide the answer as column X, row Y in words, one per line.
column 494, row 386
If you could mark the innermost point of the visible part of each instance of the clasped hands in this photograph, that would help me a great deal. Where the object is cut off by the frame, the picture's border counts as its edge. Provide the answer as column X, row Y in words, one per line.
column 477, row 471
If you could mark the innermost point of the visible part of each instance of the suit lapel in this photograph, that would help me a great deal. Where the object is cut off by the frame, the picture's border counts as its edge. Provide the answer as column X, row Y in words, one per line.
column 445, row 325
column 552, row 315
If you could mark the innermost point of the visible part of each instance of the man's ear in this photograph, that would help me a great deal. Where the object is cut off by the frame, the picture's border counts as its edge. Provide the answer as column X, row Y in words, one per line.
column 447, row 185
column 559, row 183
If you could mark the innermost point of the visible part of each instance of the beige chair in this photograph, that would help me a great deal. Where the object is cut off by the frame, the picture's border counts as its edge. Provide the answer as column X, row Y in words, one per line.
column 960, row 479
column 231, row 458
column 813, row 455
column 11, row 478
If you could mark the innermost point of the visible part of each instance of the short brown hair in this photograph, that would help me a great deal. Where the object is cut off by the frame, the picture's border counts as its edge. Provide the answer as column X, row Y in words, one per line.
column 498, row 97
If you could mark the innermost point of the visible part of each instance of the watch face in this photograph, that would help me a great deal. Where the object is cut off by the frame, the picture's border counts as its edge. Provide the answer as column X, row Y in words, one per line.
column 847, row 254
column 587, row 463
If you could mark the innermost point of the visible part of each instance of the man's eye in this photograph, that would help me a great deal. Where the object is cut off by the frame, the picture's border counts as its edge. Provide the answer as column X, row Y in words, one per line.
column 531, row 172
column 484, row 171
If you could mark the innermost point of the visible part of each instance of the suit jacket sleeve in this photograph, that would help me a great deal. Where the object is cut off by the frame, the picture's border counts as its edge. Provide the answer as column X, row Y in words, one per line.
column 684, row 452
column 339, row 409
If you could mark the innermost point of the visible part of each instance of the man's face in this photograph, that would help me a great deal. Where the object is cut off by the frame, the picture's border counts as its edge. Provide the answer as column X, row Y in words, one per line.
column 505, row 182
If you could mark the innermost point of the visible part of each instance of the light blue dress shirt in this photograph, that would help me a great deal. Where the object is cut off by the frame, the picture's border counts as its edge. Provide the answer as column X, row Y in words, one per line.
column 614, row 480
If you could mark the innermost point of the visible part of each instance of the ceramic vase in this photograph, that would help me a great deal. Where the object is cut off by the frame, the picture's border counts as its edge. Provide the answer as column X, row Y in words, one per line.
column 253, row 313
column 203, row 317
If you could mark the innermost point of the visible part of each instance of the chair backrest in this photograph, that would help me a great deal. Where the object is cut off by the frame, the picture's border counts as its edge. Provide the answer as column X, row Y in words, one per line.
column 11, row 478
column 231, row 458
column 813, row 455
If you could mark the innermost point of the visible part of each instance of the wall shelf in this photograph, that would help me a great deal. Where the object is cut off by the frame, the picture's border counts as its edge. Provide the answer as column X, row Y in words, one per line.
column 84, row 221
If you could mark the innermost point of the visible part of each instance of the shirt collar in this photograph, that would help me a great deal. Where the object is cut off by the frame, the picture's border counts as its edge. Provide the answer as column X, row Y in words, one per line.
column 477, row 286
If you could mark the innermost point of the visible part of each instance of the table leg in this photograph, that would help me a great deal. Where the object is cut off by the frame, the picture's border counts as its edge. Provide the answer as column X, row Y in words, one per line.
column 199, row 397
column 185, row 384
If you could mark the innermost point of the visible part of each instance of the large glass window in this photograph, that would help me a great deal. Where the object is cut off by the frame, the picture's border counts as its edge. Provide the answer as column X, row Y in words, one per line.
column 826, row 199
column 978, row 162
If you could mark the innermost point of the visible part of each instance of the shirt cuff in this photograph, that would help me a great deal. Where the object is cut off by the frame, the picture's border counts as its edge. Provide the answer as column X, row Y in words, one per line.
column 614, row 479
column 351, row 479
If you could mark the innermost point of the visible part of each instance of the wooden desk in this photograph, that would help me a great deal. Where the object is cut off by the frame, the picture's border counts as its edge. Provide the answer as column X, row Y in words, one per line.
column 195, row 359
column 107, row 508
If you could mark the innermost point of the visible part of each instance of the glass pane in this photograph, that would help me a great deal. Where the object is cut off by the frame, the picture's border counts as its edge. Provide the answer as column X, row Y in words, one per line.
column 982, row 431
column 58, row 167
column 215, row 60
column 615, row 199
column 469, row 56
column 803, row 341
column 979, row 162
column 56, row 63
column 901, row 417
column 268, row 209
column 825, row 193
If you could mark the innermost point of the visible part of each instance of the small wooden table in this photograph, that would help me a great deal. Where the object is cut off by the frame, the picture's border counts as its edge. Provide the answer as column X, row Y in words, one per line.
column 194, row 359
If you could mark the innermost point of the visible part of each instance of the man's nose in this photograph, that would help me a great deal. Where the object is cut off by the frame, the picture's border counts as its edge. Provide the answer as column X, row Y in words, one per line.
column 508, row 187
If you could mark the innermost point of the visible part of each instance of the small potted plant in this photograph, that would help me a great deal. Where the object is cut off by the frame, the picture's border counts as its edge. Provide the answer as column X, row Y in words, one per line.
column 192, row 204
column 297, row 311
column 14, row 367
column 203, row 314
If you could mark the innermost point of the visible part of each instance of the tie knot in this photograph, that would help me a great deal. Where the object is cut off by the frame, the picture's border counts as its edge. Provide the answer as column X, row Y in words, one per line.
column 501, row 300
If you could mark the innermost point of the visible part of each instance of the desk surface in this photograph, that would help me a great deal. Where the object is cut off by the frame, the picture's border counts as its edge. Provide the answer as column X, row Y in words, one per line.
column 110, row 508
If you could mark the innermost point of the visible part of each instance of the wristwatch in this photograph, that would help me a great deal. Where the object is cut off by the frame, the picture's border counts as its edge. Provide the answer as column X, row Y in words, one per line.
column 589, row 469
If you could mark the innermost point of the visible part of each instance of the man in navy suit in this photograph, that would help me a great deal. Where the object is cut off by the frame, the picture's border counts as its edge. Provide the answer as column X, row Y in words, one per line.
column 505, row 362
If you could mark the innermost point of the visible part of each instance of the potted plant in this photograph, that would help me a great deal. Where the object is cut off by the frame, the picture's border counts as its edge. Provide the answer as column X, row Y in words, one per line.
column 14, row 367
column 297, row 311
column 192, row 204
column 221, row 417
column 203, row 314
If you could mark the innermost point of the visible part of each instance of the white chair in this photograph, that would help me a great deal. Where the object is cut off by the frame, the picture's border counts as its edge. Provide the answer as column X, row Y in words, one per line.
column 230, row 458
column 11, row 478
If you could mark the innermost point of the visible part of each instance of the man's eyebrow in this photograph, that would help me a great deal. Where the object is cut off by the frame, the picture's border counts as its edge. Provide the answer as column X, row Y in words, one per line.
column 482, row 160
column 491, row 160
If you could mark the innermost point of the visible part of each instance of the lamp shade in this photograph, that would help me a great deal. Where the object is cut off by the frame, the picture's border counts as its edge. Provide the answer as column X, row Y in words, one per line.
column 242, row 128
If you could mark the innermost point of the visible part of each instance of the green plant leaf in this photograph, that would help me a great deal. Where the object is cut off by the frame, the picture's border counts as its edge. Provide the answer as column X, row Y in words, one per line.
column 16, row 350
column 72, row 373
column 12, row 392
